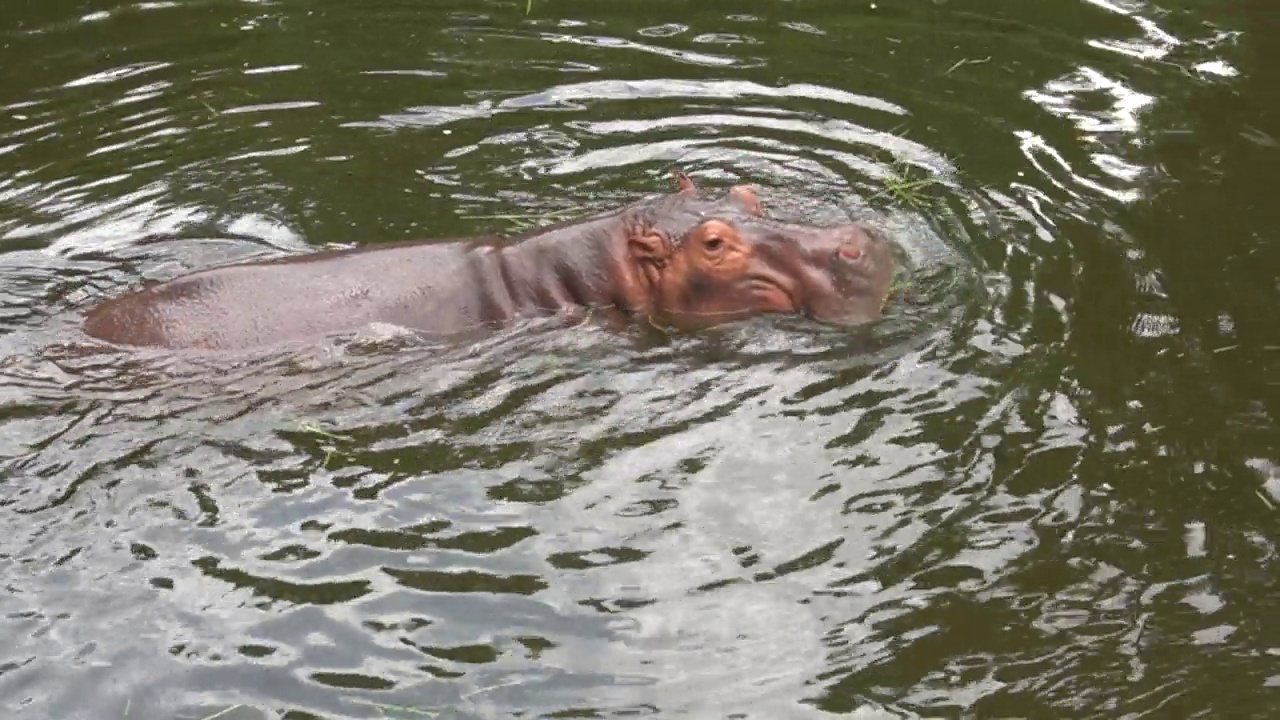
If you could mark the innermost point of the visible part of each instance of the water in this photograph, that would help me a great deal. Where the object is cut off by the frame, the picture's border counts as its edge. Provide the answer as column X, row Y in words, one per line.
column 1045, row 486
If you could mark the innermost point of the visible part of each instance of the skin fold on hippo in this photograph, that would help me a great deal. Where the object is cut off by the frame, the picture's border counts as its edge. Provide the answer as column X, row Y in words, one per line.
column 681, row 259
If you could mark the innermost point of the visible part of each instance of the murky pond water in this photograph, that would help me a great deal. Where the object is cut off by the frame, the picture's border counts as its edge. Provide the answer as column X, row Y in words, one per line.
column 1046, row 485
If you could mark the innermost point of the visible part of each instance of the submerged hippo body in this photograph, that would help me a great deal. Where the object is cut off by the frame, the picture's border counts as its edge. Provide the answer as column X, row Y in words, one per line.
column 682, row 259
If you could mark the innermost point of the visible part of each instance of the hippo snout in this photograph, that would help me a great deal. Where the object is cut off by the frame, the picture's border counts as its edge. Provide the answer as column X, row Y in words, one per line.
column 859, row 266
column 860, row 250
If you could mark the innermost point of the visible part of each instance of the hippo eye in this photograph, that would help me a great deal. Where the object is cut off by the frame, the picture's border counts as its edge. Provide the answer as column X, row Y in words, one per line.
column 715, row 236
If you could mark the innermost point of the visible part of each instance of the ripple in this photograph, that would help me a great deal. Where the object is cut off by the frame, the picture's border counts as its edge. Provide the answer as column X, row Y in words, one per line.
column 605, row 41
column 983, row 504
column 117, row 74
column 575, row 94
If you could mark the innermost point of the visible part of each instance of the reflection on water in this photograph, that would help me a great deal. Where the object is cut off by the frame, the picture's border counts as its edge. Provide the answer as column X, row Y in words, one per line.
column 1013, row 496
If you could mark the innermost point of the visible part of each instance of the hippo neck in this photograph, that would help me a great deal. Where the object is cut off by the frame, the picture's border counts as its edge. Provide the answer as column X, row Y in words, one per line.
column 580, row 264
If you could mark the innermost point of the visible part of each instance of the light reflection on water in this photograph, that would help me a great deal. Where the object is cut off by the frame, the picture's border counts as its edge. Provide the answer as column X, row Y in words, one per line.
column 770, row 519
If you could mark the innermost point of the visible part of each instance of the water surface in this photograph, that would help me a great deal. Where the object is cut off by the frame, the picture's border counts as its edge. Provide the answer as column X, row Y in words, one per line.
column 1046, row 485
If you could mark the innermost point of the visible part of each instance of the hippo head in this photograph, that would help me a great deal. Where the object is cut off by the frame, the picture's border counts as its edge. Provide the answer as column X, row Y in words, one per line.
column 708, row 261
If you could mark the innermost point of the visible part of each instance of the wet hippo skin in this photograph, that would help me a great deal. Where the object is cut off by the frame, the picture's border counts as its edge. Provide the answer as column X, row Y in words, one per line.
column 682, row 259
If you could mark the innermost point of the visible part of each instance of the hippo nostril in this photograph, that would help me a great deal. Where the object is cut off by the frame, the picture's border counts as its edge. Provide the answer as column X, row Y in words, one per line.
column 849, row 252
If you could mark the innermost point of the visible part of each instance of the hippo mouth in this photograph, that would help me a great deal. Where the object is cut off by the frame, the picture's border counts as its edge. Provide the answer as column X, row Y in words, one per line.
column 777, row 293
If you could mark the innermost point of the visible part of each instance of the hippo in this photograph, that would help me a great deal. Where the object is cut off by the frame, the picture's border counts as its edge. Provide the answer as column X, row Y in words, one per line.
column 682, row 259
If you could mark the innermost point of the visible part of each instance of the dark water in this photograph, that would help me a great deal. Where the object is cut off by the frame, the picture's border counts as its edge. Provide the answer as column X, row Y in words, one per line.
column 1045, row 486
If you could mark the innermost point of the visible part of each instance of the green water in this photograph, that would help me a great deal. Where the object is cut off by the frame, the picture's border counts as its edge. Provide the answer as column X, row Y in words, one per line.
column 1046, row 485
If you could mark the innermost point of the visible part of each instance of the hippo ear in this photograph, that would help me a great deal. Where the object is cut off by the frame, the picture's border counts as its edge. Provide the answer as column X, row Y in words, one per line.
column 746, row 195
column 687, row 187
column 651, row 249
